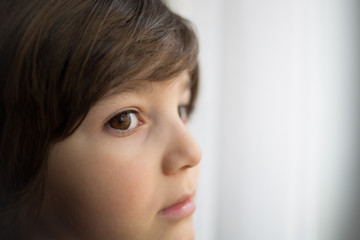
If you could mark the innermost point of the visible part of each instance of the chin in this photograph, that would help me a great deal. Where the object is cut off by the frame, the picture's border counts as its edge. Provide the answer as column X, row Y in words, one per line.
column 183, row 230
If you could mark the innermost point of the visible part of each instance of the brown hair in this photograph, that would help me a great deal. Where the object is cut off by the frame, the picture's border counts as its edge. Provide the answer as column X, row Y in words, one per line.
column 59, row 57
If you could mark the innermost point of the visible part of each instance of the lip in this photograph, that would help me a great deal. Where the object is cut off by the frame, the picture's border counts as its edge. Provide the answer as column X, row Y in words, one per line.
column 180, row 209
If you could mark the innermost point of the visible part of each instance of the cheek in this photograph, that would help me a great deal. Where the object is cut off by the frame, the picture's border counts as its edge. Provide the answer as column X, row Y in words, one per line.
column 101, row 188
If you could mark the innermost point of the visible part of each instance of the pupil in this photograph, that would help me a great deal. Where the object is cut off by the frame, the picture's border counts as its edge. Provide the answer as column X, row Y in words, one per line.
column 122, row 121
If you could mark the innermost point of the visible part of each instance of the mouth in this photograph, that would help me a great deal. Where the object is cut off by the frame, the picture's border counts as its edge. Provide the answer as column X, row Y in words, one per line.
column 180, row 209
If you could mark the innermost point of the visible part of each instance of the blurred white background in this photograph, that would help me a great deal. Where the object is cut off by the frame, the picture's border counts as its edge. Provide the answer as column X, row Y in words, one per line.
column 277, row 118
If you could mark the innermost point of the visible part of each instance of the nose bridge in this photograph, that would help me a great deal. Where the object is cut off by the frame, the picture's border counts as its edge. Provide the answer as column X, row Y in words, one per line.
column 182, row 150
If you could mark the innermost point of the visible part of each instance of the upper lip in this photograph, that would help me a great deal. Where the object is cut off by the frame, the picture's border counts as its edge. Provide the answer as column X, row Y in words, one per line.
column 183, row 198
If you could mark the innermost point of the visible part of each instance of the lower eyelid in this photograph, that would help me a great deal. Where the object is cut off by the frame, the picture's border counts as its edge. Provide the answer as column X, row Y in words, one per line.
column 118, row 133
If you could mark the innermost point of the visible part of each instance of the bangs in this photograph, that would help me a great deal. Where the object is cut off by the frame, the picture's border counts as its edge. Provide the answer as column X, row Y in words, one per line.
column 160, row 49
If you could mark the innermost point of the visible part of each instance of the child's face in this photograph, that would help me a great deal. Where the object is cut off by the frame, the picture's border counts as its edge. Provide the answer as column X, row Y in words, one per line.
column 131, row 158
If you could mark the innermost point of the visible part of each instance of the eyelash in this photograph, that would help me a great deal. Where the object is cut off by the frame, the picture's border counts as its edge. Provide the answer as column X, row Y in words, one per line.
column 183, row 111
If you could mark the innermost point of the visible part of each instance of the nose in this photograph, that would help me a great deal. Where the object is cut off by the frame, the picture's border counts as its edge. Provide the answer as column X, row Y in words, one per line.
column 182, row 150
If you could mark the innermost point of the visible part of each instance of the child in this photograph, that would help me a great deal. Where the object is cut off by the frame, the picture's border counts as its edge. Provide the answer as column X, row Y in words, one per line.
column 95, row 97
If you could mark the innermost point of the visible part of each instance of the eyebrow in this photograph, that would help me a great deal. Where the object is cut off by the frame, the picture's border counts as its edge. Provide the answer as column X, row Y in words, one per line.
column 146, row 86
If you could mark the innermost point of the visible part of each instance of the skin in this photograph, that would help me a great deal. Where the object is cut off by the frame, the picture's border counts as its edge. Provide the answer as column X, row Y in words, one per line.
column 106, row 184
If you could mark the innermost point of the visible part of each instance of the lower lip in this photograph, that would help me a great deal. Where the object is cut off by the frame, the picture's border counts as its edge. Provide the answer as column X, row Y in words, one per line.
column 179, row 211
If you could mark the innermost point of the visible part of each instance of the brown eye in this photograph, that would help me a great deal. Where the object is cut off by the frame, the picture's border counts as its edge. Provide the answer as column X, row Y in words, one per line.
column 124, row 121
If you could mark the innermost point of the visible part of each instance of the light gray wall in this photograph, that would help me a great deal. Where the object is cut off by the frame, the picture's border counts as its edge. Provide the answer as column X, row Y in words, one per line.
column 277, row 118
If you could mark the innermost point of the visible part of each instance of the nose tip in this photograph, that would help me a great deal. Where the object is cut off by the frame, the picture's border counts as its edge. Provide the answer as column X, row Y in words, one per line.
column 183, row 151
column 194, row 154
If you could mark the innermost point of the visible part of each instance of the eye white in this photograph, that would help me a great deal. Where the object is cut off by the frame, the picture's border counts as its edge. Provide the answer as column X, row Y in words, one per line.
column 134, row 120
